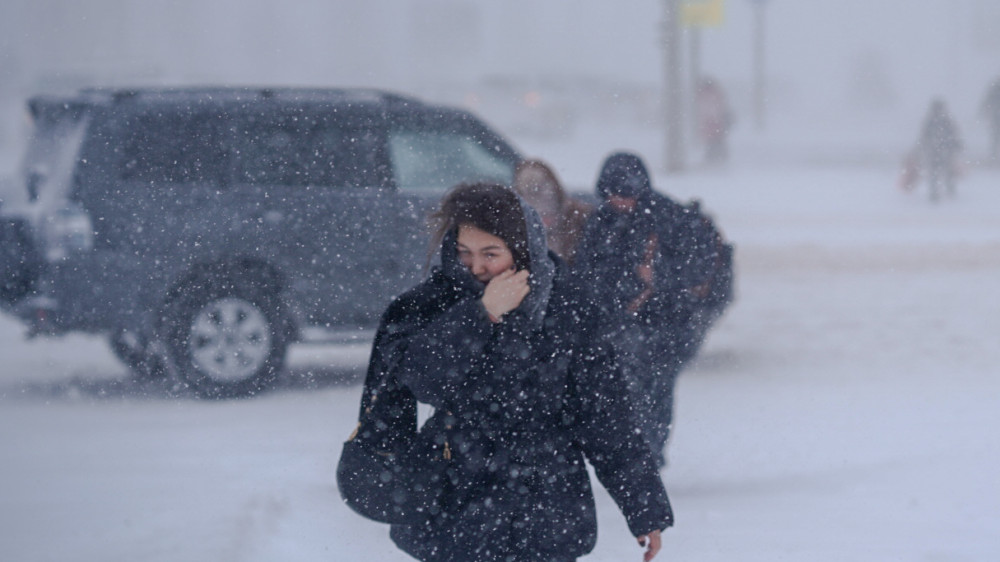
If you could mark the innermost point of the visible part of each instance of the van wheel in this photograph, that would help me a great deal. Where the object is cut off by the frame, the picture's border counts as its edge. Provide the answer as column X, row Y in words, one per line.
column 20, row 262
column 132, row 350
column 225, row 338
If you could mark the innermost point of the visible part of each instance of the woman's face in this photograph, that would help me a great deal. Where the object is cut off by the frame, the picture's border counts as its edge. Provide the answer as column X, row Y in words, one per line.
column 485, row 255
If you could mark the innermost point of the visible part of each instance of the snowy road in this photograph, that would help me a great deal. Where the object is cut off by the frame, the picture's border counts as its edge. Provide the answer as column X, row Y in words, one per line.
column 845, row 409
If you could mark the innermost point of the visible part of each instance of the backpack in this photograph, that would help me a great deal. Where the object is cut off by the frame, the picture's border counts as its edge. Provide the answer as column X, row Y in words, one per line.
column 719, row 254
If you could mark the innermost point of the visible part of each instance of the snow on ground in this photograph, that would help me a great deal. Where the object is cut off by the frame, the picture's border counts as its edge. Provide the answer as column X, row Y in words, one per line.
column 844, row 409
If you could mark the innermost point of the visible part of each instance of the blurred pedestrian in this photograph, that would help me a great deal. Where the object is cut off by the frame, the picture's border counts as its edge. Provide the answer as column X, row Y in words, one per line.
column 505, row 345
column 990, row 109
column 649, row 258
column 562, row 215
column 939, row 147
column 715, row 118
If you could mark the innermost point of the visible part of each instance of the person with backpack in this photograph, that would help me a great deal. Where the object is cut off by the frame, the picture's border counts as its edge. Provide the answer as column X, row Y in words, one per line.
column 505, row 345
column 652, row 261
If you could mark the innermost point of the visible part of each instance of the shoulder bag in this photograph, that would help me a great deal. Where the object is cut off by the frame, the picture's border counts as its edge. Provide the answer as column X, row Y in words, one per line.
column 388, row 470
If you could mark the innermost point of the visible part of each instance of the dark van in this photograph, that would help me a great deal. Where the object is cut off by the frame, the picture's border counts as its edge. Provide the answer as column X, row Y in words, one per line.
column 203, row 230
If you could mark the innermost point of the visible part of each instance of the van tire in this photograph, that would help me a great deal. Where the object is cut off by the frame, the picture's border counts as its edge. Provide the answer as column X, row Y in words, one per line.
column 20, row 262
column 225, row 337
column 131, row 350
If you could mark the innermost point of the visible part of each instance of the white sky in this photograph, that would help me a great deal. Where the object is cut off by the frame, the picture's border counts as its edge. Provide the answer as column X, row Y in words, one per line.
column 829, row 65
column 929, row 45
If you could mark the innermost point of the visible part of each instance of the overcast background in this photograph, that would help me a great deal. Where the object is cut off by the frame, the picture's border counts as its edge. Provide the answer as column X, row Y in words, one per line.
column 853, row 71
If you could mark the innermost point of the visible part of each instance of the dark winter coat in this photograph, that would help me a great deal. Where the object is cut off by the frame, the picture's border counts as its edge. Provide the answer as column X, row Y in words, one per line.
column 523, row 402
column 614, row 244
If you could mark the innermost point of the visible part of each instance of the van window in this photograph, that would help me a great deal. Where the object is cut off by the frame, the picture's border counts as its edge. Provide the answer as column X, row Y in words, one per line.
column 299, row 150
column 52, row 154
column 347, row 157
column 432, row 160
column 173, row 147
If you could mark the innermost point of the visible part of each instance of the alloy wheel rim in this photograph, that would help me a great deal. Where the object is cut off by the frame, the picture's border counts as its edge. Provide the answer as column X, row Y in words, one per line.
column 230, row 339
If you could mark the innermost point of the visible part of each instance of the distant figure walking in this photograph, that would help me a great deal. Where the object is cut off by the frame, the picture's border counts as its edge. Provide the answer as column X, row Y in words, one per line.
column 991, row 111
column 939, row 147
column 715, row 118
column 562, row 215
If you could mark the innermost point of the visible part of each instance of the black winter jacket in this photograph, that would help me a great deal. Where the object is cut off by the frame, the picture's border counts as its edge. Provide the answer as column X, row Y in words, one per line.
column 614, row 244
column 526, row 401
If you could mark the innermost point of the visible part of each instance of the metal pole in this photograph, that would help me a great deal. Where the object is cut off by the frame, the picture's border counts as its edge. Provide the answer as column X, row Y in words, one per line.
column 673, row 88
column 694, row 81
column 759, row 90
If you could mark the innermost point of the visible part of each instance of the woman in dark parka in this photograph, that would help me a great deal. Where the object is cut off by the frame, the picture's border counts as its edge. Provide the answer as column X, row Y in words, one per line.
column 505, row 347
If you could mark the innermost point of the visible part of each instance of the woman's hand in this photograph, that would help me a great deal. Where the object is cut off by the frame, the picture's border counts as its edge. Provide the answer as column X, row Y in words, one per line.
column 505, row 292
column 653, row 539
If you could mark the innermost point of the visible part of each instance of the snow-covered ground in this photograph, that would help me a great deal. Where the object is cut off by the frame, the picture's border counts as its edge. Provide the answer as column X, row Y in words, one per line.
column 846, row 407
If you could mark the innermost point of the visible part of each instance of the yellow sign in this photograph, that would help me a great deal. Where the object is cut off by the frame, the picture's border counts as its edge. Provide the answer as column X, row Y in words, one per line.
column 702, row 13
